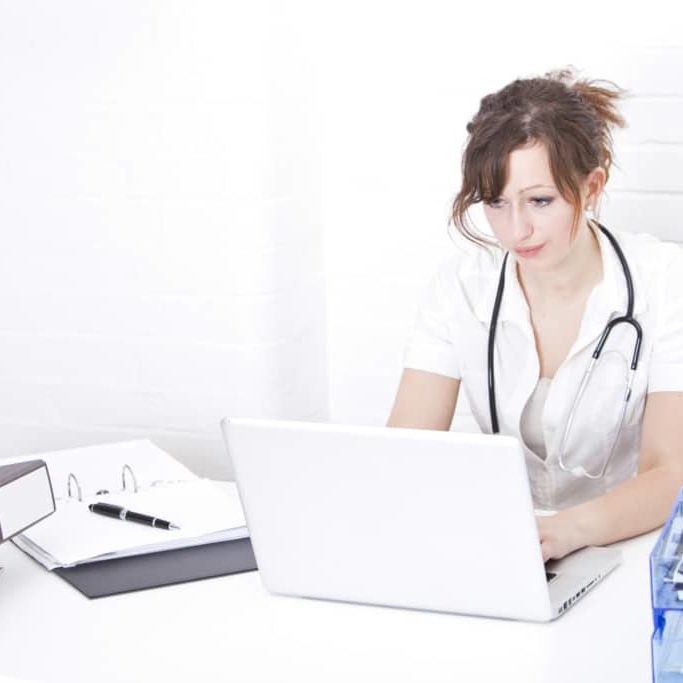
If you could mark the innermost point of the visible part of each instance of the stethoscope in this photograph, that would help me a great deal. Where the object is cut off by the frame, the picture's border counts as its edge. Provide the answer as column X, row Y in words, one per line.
column 628, row 318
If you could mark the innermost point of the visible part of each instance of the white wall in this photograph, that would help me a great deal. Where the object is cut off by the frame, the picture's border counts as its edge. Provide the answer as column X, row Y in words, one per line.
column 161, row 263
column 222, row 207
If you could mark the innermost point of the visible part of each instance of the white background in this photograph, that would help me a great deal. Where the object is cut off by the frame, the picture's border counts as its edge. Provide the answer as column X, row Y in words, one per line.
column 213, row 208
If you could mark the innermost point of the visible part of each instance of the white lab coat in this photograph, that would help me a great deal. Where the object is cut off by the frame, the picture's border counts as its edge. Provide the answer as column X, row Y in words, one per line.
column 450, row 338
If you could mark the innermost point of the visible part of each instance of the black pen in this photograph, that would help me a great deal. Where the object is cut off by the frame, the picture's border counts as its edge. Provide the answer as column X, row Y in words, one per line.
column 121, row 513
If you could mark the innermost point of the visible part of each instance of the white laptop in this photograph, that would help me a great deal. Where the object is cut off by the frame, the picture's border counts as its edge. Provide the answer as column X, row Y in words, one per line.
column 402, row 517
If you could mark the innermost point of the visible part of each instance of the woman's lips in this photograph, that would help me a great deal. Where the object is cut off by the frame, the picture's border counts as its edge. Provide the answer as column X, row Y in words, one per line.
column 526, row 252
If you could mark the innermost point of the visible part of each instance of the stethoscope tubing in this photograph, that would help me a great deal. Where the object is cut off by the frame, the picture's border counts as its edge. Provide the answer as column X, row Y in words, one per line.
column 491, row 346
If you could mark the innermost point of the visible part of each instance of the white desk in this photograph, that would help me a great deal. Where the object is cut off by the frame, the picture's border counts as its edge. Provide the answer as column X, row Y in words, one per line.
column 231, row 629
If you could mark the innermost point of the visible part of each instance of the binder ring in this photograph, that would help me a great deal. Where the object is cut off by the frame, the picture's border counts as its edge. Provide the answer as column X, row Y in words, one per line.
column 73, row 479
column 129, row 469
column 129, row 482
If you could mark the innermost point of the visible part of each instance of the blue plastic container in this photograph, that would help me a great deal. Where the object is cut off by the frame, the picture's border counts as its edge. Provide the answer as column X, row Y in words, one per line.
column 666, row 589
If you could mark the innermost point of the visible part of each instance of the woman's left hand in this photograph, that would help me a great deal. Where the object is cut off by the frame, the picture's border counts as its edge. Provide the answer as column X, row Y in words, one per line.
column 558, row 536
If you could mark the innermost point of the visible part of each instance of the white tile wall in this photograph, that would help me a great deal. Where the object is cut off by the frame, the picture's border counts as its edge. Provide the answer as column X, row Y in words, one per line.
column 162, row 254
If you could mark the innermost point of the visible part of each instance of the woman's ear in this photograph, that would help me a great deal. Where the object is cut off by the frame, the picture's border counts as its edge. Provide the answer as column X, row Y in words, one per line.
column 594, row 185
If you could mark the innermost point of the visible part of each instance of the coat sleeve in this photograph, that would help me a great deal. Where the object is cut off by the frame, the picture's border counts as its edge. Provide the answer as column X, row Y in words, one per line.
column 432, row 344
column 666, row 363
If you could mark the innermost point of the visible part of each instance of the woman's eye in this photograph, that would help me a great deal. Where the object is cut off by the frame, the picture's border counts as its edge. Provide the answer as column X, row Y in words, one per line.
column 495, row 203
column 541, row 201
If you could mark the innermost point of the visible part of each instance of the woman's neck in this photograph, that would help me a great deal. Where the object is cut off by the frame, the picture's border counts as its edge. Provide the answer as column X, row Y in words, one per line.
column 573, row 279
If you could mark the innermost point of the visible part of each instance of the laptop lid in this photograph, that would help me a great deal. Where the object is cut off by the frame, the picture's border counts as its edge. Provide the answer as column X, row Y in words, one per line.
column 410, row 518
column 403, row 517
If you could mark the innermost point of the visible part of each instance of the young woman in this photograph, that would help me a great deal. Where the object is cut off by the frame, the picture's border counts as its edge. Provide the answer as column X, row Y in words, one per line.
column 562, row 332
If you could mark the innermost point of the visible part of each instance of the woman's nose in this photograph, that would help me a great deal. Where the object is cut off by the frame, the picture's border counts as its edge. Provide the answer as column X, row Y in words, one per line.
column 521, row 224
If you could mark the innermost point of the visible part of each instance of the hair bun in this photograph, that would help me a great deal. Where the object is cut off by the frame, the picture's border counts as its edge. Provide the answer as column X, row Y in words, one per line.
column 599, row 94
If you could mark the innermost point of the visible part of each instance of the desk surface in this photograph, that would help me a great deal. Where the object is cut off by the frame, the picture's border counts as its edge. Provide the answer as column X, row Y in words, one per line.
column 230, row 628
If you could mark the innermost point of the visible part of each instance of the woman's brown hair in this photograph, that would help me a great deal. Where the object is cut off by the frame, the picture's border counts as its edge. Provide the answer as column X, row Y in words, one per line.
column 572, row 118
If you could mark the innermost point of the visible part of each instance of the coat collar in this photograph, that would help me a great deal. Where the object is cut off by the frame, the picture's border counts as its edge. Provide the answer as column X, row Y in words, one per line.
column 608, row 300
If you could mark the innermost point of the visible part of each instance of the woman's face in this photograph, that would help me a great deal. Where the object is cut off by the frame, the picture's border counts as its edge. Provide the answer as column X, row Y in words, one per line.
column 531, row 218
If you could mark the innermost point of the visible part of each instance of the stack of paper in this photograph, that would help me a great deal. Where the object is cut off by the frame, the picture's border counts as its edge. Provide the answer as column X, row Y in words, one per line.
column 206, row 512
